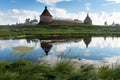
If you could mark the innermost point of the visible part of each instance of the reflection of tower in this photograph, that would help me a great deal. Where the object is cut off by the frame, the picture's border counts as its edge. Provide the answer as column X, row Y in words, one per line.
column 46, row 47
column 28, row 40
column 87, row 41
column 104, row 38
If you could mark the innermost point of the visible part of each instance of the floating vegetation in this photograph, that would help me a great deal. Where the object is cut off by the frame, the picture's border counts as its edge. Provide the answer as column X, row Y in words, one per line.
column 21, row 50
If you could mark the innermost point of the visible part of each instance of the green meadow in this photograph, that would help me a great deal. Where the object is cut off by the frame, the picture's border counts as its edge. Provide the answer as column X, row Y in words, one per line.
column 63, row 31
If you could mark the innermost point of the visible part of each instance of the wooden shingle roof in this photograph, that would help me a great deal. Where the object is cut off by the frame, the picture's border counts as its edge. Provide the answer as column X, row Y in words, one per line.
column 46, row 12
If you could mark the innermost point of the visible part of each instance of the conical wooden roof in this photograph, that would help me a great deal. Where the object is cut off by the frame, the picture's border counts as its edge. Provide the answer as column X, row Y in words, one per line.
column 88, row 20
column 46, row 12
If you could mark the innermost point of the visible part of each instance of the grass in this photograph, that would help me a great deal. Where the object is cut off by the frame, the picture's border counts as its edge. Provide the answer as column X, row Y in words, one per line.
column 63, row 70
column 47, row 31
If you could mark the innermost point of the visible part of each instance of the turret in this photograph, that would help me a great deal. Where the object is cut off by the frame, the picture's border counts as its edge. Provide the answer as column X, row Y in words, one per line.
column 45, row 17
column 88, row 20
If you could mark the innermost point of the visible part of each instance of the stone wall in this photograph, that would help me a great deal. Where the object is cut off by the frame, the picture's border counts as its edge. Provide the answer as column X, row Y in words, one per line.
column 45, row 19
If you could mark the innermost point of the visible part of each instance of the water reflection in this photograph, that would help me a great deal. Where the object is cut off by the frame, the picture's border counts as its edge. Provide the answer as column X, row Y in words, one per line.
column 99, row 48
column 87, row 41
column 90, row 48
column 12, row 50
column 46, row 47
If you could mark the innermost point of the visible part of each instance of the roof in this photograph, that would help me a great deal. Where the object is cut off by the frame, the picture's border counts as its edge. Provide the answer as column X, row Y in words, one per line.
column 87, row 19
column 46, row 12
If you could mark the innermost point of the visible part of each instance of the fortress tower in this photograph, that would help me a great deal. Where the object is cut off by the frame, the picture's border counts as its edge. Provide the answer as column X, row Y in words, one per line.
column 45, row 17
column 88, row 20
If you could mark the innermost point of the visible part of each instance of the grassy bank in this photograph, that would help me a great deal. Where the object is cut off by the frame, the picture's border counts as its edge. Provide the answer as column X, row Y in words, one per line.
column 63, row 70
column 48, row 31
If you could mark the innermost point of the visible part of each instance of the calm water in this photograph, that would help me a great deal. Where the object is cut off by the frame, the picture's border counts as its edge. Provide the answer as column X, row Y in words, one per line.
column 95, row 48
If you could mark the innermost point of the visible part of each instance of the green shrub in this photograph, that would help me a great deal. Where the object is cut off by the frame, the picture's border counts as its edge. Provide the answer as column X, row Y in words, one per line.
column 115, row 73
column 9, row 76
column 63, row 70
column 85, row 72
column 105, row 73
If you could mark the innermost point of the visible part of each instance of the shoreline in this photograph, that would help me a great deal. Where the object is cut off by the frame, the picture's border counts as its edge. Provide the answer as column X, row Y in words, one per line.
column 114, row 61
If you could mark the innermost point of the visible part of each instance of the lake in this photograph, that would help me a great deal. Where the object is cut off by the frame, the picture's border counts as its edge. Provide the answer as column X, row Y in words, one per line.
column 89, row 48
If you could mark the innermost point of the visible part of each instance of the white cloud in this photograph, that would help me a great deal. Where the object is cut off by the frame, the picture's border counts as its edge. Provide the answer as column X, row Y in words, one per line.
column 63, row 14
column 113, row 1
column 97, row 18
column 97, row 42
column 88, row 6
column 15, row 15
column 50, row 2
column 15, row 11
column 100, row 18
column 101, row 42
column 22, row 42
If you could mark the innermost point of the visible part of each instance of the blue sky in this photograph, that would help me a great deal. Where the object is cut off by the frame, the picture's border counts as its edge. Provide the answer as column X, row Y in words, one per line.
column 12, row 11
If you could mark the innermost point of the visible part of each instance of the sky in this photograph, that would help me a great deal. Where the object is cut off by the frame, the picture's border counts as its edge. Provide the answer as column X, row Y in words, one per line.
column 12, row 11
